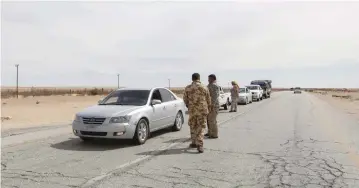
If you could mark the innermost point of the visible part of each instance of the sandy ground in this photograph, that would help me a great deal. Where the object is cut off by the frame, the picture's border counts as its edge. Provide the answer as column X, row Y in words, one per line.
column 350, row 106
column 55, row 110
column 51, row 110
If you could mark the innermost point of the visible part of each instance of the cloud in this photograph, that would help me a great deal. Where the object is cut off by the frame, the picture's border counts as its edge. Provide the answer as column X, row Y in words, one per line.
column 173, row 38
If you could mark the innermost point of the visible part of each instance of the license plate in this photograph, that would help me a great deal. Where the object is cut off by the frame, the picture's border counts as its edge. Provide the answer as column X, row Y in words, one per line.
column 90, row 126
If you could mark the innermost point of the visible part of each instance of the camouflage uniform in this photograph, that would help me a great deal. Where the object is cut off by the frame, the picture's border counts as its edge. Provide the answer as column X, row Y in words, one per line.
column 198, row 102
column 212, row 116
column 235, row 97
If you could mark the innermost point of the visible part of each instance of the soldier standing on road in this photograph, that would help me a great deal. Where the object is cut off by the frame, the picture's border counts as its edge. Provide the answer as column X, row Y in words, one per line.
column 214, row 108
column 197, row 99
column 234, row 96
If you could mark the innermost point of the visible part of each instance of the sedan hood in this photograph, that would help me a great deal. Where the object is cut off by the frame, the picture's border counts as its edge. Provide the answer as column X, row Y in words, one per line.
column 107, row 110
column 254, row 91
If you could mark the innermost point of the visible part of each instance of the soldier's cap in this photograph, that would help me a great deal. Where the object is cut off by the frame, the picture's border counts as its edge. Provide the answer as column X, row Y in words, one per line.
column 234, row 83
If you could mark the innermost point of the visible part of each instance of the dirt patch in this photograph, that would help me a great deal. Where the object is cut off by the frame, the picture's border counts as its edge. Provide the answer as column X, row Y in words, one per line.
column 43, row 110
column 348, row 101
column 40, row 111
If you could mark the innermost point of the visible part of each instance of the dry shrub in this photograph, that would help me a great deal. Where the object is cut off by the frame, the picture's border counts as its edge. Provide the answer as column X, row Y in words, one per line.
column 8, row 93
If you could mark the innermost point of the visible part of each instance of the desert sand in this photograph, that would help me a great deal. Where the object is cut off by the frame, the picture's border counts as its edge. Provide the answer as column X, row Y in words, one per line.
column 51, row 110
column 56, row 110
column 349, row 105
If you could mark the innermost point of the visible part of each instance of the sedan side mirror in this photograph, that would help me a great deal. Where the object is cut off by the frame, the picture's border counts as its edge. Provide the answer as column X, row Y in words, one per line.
column 155, row 101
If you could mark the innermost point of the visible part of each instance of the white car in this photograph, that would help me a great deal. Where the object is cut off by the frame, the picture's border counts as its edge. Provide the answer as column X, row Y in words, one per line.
column 130, row 114
column 224, row 99
column 245, row 96
column 257, row 92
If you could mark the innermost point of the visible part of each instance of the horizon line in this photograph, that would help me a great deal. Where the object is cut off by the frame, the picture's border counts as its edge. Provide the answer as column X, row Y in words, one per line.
column 110, row 87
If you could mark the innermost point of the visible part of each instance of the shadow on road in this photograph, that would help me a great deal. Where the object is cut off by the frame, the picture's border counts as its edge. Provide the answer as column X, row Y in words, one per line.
column 174, row 151
column 176, row 140
column 76, row 144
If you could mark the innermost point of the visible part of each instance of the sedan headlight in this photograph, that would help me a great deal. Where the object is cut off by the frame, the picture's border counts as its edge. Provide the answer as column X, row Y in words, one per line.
column 77, row 118
column 120, row 119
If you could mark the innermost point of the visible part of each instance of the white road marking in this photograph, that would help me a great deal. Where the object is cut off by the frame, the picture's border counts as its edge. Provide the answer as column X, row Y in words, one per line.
column 92, row 181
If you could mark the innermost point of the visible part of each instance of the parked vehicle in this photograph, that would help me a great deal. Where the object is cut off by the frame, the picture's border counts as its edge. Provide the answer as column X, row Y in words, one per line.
column 130, row 114
column 257, row 92
column 245, row 96
column 297, row 90
column 224, row 99
column 266, row 85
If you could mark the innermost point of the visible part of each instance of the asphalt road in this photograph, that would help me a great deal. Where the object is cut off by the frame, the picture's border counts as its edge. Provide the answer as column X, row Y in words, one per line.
column 285, row 141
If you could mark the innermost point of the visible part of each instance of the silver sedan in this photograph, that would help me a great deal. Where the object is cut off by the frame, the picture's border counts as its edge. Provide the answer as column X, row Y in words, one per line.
column 245, row 96
column 130, row 114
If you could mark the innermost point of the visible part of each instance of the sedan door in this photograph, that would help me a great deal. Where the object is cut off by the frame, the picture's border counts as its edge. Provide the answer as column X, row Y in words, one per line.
column 170, row 106
column 158, row 117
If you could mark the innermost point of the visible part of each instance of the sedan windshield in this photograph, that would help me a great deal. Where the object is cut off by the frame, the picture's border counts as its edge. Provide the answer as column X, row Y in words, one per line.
column 252, row 87
column 127, row 97
column 242, row 90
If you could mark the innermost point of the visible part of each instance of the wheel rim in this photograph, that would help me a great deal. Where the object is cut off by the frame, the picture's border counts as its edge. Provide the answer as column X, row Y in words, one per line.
column 142, row 131
column 178, row 121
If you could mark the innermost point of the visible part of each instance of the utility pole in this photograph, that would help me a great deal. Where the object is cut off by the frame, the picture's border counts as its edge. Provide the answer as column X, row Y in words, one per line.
column 169, row 83
column 17, row 80
column 118, row 81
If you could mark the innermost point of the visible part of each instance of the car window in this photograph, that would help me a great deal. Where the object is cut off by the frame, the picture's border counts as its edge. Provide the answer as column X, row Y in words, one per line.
column 127, row 97
column 166, row 95
column 156, row 95
column 253, row 87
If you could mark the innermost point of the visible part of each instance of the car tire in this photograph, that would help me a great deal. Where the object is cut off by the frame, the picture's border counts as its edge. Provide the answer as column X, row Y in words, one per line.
column 141, row 133
column 226, row 105
column 177, row 126
column 86, row 139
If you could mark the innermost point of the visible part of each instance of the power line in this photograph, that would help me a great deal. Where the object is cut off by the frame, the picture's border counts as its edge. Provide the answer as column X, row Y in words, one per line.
column 17, row 80
column 118, row 80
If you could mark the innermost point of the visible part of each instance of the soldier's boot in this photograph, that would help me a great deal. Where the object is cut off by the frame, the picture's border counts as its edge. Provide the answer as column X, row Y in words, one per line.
column 200, row 149
column 193, row 145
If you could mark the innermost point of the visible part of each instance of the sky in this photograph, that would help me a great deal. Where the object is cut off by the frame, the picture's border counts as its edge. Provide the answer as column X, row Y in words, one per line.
column 87, row 44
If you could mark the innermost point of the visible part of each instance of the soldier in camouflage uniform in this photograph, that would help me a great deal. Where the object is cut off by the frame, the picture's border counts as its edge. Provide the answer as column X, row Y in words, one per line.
column 212, row 116
column 197, row 99
column 234, row 96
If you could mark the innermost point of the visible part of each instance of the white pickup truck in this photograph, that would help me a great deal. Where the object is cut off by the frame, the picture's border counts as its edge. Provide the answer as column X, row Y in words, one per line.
column 224, row 98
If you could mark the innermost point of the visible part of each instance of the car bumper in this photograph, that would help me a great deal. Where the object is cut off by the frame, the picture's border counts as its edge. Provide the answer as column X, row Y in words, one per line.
column 106, row 130
column 256, row 96
column 241, row 100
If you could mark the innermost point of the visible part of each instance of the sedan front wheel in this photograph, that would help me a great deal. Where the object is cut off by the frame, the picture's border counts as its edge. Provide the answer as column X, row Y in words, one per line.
column 141, row 133
column 178, row 122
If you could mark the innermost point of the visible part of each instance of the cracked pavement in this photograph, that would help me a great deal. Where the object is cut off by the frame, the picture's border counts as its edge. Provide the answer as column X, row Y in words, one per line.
column 285, row 141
